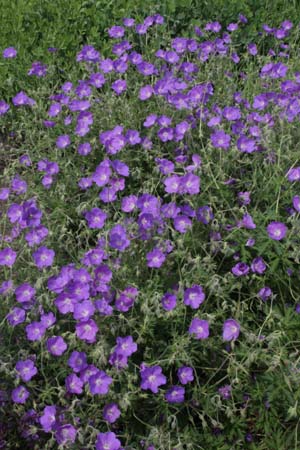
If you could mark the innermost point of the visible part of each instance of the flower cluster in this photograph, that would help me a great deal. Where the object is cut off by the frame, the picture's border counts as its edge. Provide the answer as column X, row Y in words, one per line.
column 166, row 241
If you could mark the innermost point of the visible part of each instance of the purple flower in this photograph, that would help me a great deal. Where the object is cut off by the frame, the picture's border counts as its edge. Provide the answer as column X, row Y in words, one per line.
column 84, row 310
column 155, row 258
column 38, row 69
column 88, row 53
column 277, row 230
column 35, row 331
column 48, row 319
column 96, row 218
column 99, row 383
column 245, row 144
column 128, row 22
column 7, row 257
column 9, row 52
column 232, row 113
column 111, row 412
column 43, row 257
column 172, row 184
column 56, row 345
column 190, row 184
column 231, row 330
column 129, row 203
column 74, row 385
column 4, row 107
column 168, row 301
column 36, row 235
column 77, row 361
column 84, row 149
column 125, row 346
column 265, row 293
column 107, row 441
column 250, row 242
column 21, row 99
column 185, row 374
column 182, row 223
column 63, row 141
column 118, row 238
column 145, row 92
column 65, row 434
column 152, row 378
column 244, row 198
column 47, row 420
column 24, row 293
column 194, row 296
column 220, row 139
column 165, row 134
column 258, row 265
column 116, row 32
column 200, row 328
column 20, row 394
column 240, row 269
column 204, row 214
column 6, row 287
column 175, row 394
column 215, row 27
column 87, row 330
column 150, row 120
column 119, row 86
column 26, row 369
column 225, row 391
column 294, row 174
column 247, row 222
column 16, row 316
column 296, row 203
column 252, row 49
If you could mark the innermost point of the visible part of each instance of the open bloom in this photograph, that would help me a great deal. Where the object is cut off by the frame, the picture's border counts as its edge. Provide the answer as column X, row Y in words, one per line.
column 43, row 257
column 26, row 369
column 175, row 394
column 111, row 412
column 194, row 296
column 7, row 257
column 231, row 330
column 152, row 378
column 107, row 441
column 155, row 258
column 9, row 52
column 20, row 394
column 200, row 328
column 277, row 230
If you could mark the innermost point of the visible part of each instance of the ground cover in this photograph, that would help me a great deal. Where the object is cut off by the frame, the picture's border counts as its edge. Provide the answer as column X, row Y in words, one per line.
column 150, row 240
